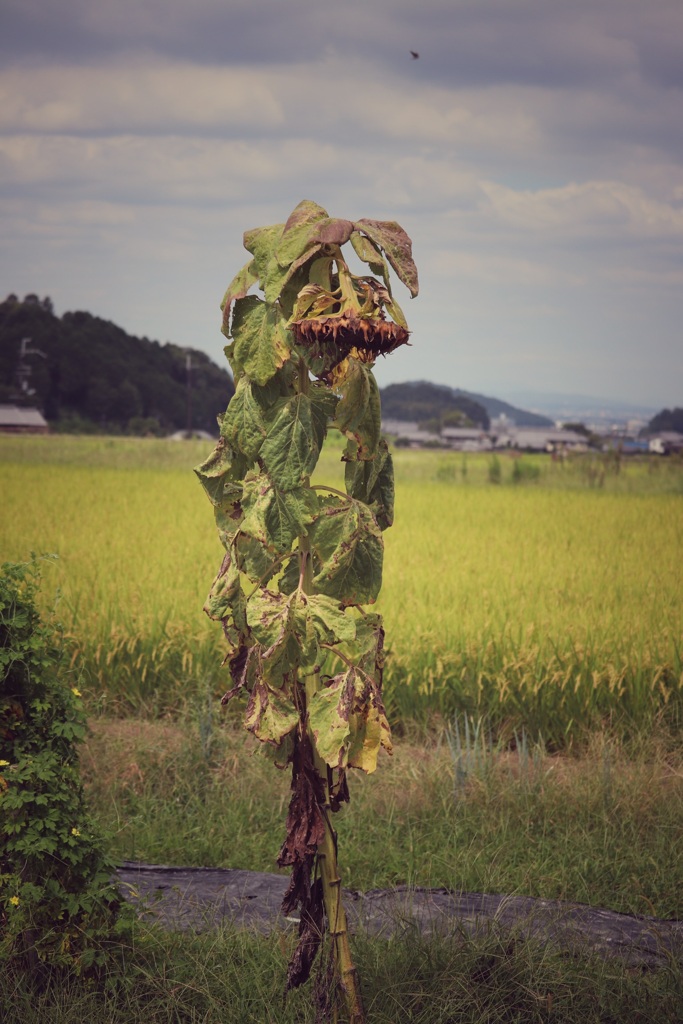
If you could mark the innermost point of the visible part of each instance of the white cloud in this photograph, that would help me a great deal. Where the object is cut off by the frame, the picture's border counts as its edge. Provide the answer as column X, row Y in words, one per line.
column 586, row 209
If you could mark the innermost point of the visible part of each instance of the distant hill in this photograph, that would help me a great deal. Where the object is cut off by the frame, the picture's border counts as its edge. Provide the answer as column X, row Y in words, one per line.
column 420, row 401
column 85, row 373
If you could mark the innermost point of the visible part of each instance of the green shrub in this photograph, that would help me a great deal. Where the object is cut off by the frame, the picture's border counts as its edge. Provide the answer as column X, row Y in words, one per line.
column 57, row 901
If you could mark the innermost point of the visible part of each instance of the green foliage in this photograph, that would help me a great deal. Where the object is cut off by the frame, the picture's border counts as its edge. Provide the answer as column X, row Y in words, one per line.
column 301, row 560
column 433, row 404
column 57, row 902
column 525, row 471
column 495, row 470
column 90, row 375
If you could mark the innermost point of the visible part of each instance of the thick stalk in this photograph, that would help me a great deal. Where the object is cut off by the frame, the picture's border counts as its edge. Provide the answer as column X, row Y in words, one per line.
column 327, row 854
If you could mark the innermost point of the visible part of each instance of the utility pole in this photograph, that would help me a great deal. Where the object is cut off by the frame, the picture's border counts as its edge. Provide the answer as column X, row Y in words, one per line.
column 23, row 371
column 188, row 371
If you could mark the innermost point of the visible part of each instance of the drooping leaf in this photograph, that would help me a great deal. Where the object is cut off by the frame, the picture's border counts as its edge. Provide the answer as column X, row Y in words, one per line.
column 358, row 414
column 296, row 278
column 305, row 823
column 243, row 425
column 262, row 343
column 372, row 481
column 329, row 711
column 348, row 722
column 299, row 231
column 323, row 410
column 270, row 617
column 237, row 289
column 270, row 714
column 393, row 240
column 242, row 664
column 369, row 732
column 369, row 253
column 291, row 449
column 396, row 313
column 228, row 516
column 332, row 623
column 348, row 542
column 218, row 472
column 258, row 561
column 225, row 588
column 262, row 243
column 273, row 516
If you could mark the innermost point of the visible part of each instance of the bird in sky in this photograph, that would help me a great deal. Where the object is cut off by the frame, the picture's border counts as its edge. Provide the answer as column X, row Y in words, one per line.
column 414, row 55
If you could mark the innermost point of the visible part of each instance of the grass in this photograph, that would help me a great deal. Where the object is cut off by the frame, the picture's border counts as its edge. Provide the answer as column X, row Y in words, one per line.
column 547, row 608
column 603, row 829
column 537, row 604
column 236, row 978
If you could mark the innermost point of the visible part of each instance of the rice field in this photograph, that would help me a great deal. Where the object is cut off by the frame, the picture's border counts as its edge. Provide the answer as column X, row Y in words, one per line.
column 550, row 601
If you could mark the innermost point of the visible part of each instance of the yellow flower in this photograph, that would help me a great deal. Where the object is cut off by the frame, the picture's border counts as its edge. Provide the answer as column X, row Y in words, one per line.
column 75, row 832
column 4, row 764
column 15, row 901
column 76, row 692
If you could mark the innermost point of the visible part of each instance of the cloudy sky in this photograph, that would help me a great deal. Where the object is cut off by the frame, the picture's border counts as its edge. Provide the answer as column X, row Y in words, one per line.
column 533, row 152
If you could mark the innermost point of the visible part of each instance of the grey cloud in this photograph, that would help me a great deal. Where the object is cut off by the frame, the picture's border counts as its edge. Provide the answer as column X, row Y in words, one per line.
column 563, row 43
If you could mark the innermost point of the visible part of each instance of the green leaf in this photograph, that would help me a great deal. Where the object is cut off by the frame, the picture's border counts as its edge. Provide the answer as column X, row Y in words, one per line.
column 369, row 253
column 358, row 414
column 262, row 243
column 372, row 482
column 243, row 425
column 287, row 637
column 256, row 560
column 270, row 714
column 261, row 341
column 276, row 517
column 291, row 449
column 392, row 239
column 270, row 618
column 348, row 542
column 218, row 471
column 237, row 289
column 332, row 623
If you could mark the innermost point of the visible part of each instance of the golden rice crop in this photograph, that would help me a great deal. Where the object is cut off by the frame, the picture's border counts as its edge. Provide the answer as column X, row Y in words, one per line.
column 555, row 607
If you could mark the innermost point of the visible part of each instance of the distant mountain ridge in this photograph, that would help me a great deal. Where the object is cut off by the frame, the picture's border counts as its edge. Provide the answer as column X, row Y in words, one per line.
column 418, row 401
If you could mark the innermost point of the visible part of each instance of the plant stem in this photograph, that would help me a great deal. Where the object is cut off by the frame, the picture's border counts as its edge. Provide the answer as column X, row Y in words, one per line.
column 327, row 853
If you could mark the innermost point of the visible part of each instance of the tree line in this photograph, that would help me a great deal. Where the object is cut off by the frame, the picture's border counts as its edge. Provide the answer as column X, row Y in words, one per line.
column 86, row 374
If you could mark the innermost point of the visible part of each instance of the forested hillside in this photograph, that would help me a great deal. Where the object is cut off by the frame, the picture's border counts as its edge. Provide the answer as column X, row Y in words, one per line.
column 85, row 373
column 421, row 401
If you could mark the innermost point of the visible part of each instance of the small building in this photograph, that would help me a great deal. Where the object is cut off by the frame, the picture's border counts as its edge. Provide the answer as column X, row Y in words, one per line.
column 665, row 443
column 467, row 439
column 543, row 439
column 15, row 419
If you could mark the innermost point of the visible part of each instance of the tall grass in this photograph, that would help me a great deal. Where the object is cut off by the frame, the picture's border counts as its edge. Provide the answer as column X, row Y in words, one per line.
column 544, row 606
column 230, row 977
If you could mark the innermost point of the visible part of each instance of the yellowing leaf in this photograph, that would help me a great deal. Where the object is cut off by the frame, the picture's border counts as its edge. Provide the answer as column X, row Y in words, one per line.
column 348, row 543
column 270, row 714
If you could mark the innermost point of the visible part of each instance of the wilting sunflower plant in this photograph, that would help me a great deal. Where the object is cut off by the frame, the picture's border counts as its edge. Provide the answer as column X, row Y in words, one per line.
column 303, row 559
